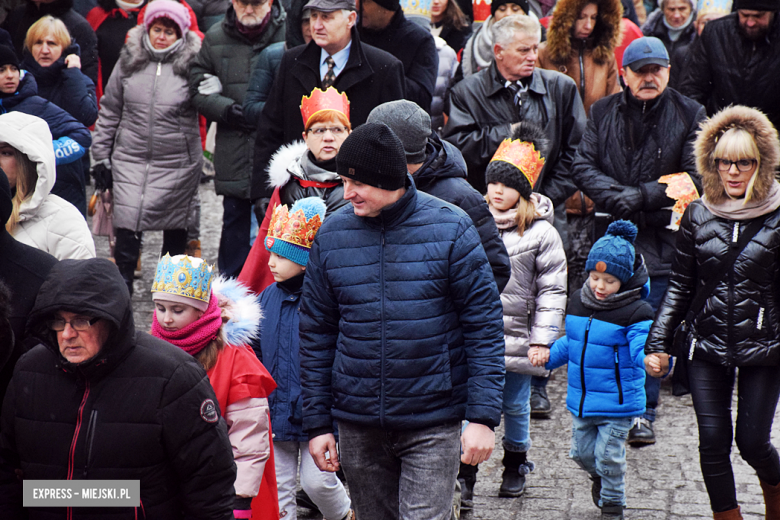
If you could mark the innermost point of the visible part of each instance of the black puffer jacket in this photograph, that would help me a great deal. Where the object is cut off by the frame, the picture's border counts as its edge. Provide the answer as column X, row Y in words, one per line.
column 725, row 69
column 482, row 112
column 631, row 143
column 135, row 411
column 740, row 321
column 443, row 175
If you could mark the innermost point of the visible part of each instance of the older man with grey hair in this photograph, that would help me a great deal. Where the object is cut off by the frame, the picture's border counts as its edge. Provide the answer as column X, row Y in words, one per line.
column 484, row 106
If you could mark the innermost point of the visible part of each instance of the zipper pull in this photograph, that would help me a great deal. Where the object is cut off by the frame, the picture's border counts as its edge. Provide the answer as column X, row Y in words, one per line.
column 735, row 234
column 159, row 67
column 659, row 153
column 693, row 346
column 760, row 322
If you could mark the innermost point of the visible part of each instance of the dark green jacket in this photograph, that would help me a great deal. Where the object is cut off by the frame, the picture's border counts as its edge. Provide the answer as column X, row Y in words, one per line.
column 229, row 55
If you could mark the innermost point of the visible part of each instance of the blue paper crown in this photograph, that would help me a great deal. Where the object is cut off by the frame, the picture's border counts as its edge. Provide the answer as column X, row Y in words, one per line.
column 420, row 8
column 721, row 7
column 183, row 276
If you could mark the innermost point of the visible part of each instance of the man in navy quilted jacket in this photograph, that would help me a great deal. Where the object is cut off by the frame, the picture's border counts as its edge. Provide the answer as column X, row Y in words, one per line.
column 401, row 338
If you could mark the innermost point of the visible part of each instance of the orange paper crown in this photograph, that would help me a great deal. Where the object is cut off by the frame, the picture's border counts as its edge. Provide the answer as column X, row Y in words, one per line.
column 320, row 100
column 523, row 156
column 294, row 228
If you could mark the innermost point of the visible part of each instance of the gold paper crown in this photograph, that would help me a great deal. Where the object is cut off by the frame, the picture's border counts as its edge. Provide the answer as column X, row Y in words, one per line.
column 320, row 100
column 523, row 156
column 294, row 228
column 178, row 276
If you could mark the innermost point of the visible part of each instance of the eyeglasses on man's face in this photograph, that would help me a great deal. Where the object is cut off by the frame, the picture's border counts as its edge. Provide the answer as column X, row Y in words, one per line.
column 79, row 324
column 743, row 165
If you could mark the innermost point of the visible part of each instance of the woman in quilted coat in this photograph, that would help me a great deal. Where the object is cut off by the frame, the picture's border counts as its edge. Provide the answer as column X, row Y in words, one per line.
column 147, row 144
column 534, row 300
column 737, row 330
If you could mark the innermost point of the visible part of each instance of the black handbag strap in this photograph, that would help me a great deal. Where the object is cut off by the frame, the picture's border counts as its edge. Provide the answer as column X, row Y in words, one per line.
column 737, row 245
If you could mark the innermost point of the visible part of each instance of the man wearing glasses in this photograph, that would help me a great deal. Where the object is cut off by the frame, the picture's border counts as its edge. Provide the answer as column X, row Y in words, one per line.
column 634, row 138
column 96, row 399
column 218, row 83
column 334, row 57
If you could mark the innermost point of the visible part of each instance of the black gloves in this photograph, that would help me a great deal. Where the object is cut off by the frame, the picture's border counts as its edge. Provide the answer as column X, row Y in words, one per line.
column 104, row 179
column 260, row 207
column 628, row 201
column 235, row 118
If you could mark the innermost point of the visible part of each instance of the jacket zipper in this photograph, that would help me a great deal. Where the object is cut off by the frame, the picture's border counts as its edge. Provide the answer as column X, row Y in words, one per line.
column 582, row 74
column 382, row 317
column 90, row 439
column 72, row 451
column 582, row 363
column 734, row 239
column 617, row 375
column 150, row 144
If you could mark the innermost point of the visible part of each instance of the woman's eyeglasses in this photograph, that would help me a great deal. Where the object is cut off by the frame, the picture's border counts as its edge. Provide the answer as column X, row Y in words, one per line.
column 742, row 165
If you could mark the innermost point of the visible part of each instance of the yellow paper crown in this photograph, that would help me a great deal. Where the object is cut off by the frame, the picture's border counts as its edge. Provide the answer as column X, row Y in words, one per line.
column 320, row 100
column 181, row 277
column 523, row 156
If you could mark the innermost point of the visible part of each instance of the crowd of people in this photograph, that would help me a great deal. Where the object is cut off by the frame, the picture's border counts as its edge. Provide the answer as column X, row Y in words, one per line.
column 427, row 208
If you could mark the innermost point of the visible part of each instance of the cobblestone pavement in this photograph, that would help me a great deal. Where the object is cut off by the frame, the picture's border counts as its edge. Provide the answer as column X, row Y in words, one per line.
column 663, row 482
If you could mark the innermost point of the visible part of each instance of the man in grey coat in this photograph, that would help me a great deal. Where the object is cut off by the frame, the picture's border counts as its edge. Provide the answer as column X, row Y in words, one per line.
column 218, row 83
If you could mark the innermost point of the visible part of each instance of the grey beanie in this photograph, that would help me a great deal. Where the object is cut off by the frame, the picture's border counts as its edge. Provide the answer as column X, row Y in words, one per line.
column 409, row 122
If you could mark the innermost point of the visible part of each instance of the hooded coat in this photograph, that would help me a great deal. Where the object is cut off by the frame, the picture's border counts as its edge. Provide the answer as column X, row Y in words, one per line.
column 46, row 221
column 148, row 128
column 724, row 68
column 591, row 62
column 69, row 181
column 141, row 409
column 739, row 324
column 229, row 55
column 535, row 297
column 68, row 88
column 632, row 143
column 21, row 19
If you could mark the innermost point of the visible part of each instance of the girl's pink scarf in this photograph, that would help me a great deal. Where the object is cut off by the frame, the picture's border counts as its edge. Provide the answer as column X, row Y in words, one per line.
column 197, row 335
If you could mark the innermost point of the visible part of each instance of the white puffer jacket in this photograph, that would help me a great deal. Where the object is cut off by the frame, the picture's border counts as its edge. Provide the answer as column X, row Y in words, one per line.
column 46, row 221
column 534, row 300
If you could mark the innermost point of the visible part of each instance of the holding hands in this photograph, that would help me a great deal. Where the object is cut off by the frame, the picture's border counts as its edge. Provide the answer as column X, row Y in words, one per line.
column 657, row 364
column 538, row 355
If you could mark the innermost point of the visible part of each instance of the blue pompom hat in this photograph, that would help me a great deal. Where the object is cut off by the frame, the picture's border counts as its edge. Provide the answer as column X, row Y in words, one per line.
column 614, row 252
column 291, row 233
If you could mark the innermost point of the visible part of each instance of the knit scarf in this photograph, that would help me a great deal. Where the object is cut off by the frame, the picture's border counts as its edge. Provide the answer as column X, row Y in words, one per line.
column 253, row 32
column 675, row 32
column 613, row 301
column 161, row 54
column 197, row 335
column 505, row 219
column 478, row 53
column 737, row 209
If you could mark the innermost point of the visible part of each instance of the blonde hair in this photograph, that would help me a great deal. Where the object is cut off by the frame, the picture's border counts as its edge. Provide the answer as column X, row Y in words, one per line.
column 44, row 26
column 26, row 179
column 735, row 144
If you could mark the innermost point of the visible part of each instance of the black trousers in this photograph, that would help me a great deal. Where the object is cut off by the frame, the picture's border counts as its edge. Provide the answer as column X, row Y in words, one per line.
column 128, row 247
column 757, row 394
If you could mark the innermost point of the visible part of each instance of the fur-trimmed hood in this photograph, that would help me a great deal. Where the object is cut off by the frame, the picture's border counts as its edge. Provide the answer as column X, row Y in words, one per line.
column 765, row 135
column 285, row 158
column 606, row 35
column 241, row 312
column 135, row 56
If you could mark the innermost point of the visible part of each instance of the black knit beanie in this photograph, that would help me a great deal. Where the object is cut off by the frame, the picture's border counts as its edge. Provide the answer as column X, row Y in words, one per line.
column 498, row 3
column 6, row 206
column 390, row 5
column 510, row 175
column 373, row 154
column 8, row 56
column 758, row 5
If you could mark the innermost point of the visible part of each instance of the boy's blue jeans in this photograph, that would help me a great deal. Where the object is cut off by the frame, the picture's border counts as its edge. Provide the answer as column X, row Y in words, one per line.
column 598, row 445
column 517, row 412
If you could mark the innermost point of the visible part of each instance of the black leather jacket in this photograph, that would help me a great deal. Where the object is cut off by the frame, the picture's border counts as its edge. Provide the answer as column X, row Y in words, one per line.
column 482, row 112
column 740, row 322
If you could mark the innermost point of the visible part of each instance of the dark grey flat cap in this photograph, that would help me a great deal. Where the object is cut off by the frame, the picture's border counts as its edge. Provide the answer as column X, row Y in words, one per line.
column 328, row 6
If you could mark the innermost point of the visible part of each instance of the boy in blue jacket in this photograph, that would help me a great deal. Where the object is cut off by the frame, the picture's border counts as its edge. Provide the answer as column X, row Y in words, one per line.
column 607, row 323
column 289, row 240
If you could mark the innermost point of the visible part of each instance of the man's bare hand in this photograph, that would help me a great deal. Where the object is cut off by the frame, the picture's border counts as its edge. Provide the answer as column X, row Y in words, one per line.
column 323, row 450
column 477, row 441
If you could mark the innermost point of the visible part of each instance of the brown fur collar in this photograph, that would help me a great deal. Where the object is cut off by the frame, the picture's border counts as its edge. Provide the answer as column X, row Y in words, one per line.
column 606, row 36
column 135, row 57
column 765, row 135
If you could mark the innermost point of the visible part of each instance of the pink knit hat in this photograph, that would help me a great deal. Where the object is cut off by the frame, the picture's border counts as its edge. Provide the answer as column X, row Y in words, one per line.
column 167, row 9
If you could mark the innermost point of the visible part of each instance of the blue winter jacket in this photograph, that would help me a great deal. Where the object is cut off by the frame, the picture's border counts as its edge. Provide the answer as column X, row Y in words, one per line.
column 277, row 348
column 605, row 353
column 71, row 139
column 401, row 324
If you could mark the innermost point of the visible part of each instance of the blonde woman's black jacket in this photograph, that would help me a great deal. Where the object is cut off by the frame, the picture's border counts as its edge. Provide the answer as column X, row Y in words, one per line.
column 141, row 409
column 740, row 322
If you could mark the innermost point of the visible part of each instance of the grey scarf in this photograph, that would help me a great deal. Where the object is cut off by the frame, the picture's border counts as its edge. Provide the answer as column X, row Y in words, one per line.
column 478, row 53
column 738, row 209
column 161, row 54
column 613, row 301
